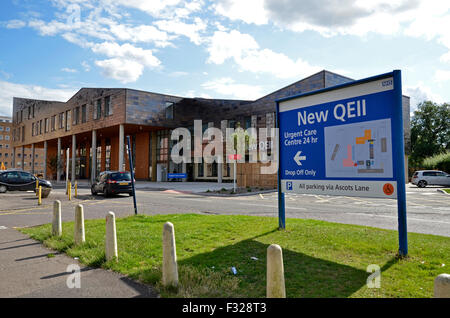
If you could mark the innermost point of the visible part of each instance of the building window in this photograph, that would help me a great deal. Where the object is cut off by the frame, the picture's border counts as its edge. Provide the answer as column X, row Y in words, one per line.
column 67, row 120
column 23, row 133
column 169, row 110
column 83, row 114
column 200, row 170
column 7, row 129
column 29, row 112
column 107, row 154
column 40, row 127
column 99, row 160
column 248, row 122
column 61, row 120
column 1, row 128
column 162, row 147
column 7, row 137
column 32, row 129
column 108, row 108
column 46, row 125
column 53, row 123
column 76, row 115
column 98, row 108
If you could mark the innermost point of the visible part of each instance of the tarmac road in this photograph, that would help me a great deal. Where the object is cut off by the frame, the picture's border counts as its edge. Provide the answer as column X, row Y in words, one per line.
column 428, row 210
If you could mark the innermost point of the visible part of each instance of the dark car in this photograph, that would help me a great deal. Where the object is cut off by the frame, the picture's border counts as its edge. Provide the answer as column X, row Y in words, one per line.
column 112, row 182
column 18, row 180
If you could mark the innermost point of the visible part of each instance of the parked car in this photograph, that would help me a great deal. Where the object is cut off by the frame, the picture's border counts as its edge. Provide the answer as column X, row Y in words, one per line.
column 112, row 182
column 18, row 180
column 430, row 177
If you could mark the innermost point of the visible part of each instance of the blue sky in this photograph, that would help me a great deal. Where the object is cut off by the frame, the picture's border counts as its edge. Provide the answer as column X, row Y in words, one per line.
column 218, row 49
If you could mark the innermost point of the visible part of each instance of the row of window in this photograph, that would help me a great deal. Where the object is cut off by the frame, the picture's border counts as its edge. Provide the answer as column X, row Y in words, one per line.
column 7, row 137
column 19, row 114
column 2, row 128
column 6, row 154
column 75, row 116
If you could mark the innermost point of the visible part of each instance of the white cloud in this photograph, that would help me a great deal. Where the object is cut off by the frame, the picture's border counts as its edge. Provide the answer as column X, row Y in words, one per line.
column 127, row 51
column 225, row 45
column 141, row 33
column 421, row 93
column 328, row 17
column 69, row 70
column 15, row 24
column 86, row 66
column 105, row 27
column 189, row 30
column 227, row 87
column 153, row 7
column 246, row 53
column 9, row 90
column 249, row 11
column 127, row 61
column 123, row 70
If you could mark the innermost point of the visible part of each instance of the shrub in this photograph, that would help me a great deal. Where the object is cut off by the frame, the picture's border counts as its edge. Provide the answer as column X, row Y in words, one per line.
column 439, row 162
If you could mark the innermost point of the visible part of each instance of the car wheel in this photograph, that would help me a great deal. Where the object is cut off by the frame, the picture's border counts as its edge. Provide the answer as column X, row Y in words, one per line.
column 422, row 184
column 3, row 189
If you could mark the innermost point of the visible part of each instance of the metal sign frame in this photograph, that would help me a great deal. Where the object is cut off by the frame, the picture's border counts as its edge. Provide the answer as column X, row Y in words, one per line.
column 397, row 143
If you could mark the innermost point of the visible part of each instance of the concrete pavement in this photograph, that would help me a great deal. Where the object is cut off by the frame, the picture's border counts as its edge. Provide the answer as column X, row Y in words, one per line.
column 27, row 271
column 189, row 187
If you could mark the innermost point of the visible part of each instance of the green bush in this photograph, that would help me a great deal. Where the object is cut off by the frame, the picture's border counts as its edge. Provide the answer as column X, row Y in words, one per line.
column 439, row 162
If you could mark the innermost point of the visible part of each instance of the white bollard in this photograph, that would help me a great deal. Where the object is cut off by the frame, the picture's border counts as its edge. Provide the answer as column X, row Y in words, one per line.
column 79, row 225
column 442, row 286
column 111, row 237
column 169, row 268
column 275, row 272
column 56, row 223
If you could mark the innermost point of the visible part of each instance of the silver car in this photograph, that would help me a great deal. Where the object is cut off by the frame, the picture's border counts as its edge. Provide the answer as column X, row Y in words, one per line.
column 430, row 177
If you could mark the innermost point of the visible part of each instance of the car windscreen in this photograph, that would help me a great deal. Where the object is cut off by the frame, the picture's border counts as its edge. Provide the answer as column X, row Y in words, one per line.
column 120, row 176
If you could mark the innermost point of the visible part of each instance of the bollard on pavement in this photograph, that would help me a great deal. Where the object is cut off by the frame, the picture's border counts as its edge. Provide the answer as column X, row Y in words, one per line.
column 79, row 225
column 111, row 237
column 76, row 189
column 40, row 195
column 442, row 286
column 275, row 272
column 56, row 223
column 69, row 190
column 170, row 268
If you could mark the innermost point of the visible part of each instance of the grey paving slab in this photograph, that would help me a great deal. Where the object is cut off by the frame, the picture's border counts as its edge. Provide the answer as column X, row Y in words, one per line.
column 26, row 270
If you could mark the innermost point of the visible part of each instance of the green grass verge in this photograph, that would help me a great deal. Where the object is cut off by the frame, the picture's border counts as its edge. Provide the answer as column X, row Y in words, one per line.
column 321, row 259
column 447, row 190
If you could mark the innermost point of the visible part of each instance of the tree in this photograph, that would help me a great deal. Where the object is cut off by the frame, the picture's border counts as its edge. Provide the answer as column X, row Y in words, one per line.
column 430, row 131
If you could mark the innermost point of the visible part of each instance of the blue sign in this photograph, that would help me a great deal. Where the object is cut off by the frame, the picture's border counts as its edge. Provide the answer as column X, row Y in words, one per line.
column 344, row 140
column 176, row 175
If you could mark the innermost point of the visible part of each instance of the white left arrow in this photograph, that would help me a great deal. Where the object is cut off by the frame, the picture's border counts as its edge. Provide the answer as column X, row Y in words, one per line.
column 298, row 158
